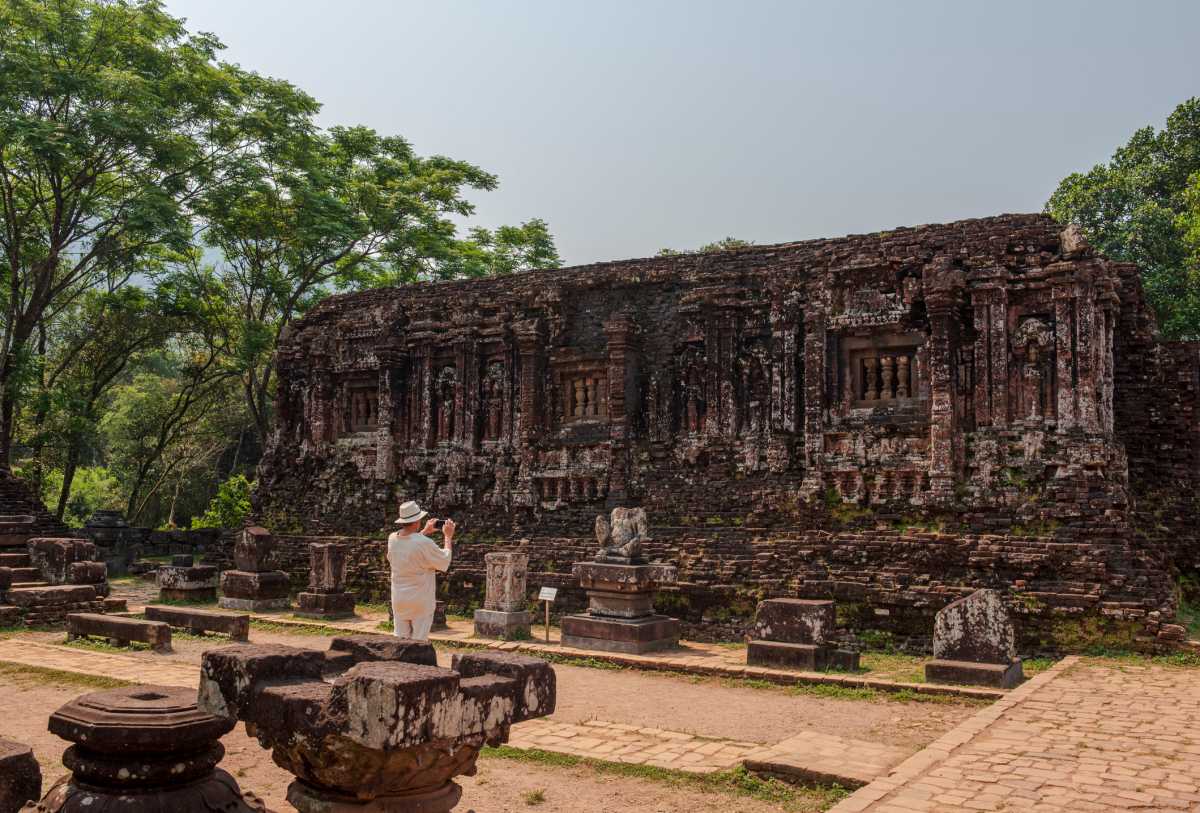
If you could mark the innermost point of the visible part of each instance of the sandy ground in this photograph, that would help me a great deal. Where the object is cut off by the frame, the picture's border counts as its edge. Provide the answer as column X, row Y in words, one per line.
column 701, row 706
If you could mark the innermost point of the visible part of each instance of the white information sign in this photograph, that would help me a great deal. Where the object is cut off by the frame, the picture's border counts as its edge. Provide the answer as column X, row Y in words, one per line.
column 548, row 594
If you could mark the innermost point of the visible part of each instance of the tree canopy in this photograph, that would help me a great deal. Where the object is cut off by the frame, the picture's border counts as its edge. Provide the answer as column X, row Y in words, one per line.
column 1143, row 206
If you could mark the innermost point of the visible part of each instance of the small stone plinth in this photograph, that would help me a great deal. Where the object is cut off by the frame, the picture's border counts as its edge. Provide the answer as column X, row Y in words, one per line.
column 968, row 673
column 620, row 616
column 975, row 643
column 326, row 597
column 326, row 606
column 372, row 725
column 254, row 591
column 190, row 583
column 439, row 616
column 143, row 749
column 509, row 626
column 795, row 633
column 20, row 776
column 252, row 586
column 503, row 614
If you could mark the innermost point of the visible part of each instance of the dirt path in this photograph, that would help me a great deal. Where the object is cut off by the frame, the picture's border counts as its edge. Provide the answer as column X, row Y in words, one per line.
column 679, row 703
column 501, row 786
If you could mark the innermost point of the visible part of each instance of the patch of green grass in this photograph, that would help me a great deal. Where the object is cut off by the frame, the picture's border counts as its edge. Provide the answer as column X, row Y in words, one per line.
column 1174, row 659
column 1189, row 616
column 732, row 645
column 735, row 782
column 371, row 606
column 103, row 645
column 181, row 603
column 836, row 691
column 22, row 675
column 894, row 666
column 1033, row 666
column 294, row 629
column 587, row 663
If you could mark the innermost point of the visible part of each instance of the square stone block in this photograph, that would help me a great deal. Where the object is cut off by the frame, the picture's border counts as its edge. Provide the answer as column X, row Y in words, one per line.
column 795, row 621
column 252, row 550
column 501, row 624
column 325, row 605
column 630, row 636
column 271, row 585
column 968, row 673
column 781, row 655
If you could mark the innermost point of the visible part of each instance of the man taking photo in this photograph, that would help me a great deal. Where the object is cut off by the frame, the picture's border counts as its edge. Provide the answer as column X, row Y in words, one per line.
column 416, row 560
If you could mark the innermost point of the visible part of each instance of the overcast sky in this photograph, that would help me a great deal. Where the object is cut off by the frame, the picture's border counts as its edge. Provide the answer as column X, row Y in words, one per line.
column 630, row 126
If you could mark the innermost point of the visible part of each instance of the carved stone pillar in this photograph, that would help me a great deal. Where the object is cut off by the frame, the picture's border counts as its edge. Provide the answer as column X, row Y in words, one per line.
column 943, row 291
column 621, row 331
column 990, row 306
column 531, row 352
column 814, row 394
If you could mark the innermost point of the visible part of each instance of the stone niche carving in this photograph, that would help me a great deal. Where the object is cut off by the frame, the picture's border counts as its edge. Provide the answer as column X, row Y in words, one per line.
column 1033, row 351
column 493, row 400
column 881, row 370
column 362, row 408
column 445, row 395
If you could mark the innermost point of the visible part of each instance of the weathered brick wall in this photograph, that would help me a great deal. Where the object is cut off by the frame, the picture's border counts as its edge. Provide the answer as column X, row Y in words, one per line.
column 1068, row 593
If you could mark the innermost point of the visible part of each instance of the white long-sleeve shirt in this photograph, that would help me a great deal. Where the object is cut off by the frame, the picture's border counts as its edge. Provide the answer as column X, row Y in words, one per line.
column 415, row 559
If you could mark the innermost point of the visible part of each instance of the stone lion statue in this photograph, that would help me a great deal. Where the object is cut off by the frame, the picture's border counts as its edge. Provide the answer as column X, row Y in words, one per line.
column 621, row 538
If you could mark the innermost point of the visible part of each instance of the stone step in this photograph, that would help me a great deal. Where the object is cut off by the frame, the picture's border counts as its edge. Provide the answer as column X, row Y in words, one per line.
column 38, row 596
column 15, row 560
column 24, row 574
column 34, row 583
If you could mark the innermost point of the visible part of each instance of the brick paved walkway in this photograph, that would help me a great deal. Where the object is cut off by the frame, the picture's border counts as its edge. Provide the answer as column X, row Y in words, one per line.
column 1083, row 736
column 108, row 664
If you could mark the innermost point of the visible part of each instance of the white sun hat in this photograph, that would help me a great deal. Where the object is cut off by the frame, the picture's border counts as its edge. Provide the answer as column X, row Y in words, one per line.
column 411, row 512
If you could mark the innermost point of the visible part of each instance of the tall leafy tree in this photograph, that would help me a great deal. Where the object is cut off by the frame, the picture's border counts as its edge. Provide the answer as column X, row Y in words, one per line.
column 313, row 212
column 113, row 119
column 1144, row 206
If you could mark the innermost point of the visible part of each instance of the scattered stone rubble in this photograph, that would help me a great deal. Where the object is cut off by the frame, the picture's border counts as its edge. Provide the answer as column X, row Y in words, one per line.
column 49, row 579
column 504, row 613
column 974, row 642
column 253, row 585
column 373, row 724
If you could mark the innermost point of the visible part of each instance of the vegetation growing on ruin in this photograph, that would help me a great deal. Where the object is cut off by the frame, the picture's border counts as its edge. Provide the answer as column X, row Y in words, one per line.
column 19, row 674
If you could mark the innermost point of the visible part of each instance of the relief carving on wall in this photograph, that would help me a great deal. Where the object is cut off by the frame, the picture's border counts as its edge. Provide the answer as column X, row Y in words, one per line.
column 1033, row 348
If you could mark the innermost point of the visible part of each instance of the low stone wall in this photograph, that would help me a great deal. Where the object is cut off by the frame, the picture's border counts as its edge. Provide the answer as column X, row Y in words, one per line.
column 1068, row 592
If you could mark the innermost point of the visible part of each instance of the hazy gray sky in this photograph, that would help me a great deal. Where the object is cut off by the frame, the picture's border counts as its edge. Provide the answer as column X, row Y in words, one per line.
column 630, row 126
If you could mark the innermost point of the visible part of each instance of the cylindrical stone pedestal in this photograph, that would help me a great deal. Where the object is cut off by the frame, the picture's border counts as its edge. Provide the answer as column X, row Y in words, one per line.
column 143, row 749
column 307, row 799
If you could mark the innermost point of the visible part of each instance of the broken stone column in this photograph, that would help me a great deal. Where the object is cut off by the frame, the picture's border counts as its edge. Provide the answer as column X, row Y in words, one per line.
column 20, row 776
column 796, row 633
column 326, row 597
column 504, row 614
column 974, row 642
column 620, row 586
column 372, row 724
column 253, row 585
column 183, row 580
column 143, row 749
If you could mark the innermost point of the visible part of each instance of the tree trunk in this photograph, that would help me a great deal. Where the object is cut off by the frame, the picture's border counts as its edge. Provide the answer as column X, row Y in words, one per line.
column 68, row 476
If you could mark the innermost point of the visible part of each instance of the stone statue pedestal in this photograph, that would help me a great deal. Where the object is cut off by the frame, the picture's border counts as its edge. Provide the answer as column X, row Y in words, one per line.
column 183, row 580
column 504, row 614
column 975, row 643
column 252, row 586
column 620, row 616
column 327, row 597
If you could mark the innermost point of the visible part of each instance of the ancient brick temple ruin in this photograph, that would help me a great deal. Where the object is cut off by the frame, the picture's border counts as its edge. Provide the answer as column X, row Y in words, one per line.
column 890, row 420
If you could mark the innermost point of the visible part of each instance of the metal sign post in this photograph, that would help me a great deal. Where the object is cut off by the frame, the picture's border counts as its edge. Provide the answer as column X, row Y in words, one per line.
column 548, row 594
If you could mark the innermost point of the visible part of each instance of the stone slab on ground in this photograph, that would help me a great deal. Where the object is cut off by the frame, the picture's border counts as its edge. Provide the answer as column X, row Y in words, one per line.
column 625, row 635
column 124, row 630
column 816, row 757
column 1082, row 736
column 809, row 757
column 236, row 626
column 998, row 675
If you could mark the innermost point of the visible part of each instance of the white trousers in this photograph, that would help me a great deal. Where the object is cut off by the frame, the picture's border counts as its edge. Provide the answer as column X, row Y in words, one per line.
column 416, row 629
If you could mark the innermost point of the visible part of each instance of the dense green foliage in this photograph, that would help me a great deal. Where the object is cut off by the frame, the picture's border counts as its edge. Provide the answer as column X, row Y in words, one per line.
column 163, row 217
column 1144, row 206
